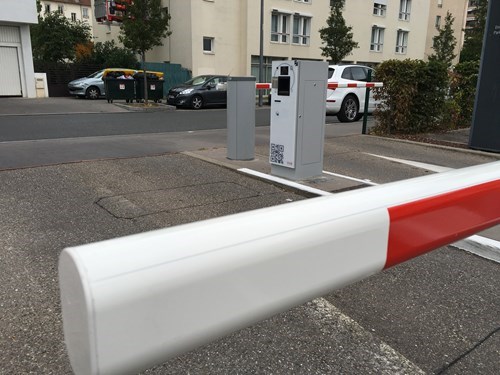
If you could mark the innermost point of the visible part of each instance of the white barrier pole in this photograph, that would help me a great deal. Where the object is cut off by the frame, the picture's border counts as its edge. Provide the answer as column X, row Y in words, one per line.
column 330, row 85
column 136, row 301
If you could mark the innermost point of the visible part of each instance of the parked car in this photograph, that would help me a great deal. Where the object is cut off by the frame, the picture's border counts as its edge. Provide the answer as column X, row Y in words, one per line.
column 201, row 91
column 92, row 86
column 348, row 103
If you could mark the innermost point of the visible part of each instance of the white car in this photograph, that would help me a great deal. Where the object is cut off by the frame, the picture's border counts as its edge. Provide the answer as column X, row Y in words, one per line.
column 348, row 103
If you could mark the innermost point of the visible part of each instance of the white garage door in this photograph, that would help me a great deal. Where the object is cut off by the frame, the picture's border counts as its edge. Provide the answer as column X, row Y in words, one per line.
column 10, row 78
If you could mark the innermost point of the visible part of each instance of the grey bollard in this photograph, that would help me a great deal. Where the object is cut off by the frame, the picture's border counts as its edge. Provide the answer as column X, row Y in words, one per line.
column 241, row 118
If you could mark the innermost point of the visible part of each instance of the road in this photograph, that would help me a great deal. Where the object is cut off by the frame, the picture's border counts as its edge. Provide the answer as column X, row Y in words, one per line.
column 77, row 125
column 434, row 314
column 46, row 139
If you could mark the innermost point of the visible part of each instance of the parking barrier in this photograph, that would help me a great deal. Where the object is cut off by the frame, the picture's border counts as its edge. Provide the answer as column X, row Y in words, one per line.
column 133, row 302
column 331, row 85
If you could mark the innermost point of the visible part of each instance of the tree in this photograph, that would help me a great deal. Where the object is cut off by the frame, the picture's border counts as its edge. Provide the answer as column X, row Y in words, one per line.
column 108, row 54
column 55, row 37
column 473, row 41
column 445, row 42
column 337, row 36
column 144, row 27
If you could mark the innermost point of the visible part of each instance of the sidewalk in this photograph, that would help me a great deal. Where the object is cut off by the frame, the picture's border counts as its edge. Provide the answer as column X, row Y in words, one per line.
column 70, row 104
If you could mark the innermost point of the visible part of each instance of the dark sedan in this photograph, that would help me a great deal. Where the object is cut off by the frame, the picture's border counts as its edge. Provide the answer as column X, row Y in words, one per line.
column 200, row 92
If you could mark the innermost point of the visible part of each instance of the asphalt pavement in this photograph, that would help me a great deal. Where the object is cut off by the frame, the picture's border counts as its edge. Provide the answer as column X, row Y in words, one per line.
column 438, row 313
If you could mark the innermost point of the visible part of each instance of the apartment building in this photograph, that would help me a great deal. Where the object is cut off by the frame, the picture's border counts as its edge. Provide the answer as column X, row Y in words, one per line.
column 75, row 10
column 16, row 59
column 387, row 29
column 471, row 14
column 437, row 16
column 223, row 36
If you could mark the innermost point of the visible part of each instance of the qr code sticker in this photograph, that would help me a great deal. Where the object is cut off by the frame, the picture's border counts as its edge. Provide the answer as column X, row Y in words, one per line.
column 277, row 153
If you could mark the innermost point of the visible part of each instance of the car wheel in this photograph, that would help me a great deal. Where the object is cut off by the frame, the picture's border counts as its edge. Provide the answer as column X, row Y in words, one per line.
column 196, row 102
column 92, row 92
column 349, row 109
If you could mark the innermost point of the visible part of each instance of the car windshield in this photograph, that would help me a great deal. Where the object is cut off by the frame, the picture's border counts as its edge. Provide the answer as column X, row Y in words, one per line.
column 200, row 80
column 97, row 74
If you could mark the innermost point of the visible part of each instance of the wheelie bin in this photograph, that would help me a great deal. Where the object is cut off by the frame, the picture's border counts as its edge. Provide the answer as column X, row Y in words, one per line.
column 154, row 84
column 119, row 88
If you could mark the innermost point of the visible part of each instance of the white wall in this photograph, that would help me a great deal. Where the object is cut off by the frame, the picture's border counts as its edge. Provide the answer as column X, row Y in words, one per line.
column 22, row 14
column 29, row 88
column 23, row 11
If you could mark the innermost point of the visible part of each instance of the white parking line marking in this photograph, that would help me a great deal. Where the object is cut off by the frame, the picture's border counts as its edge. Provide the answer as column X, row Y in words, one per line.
column 365, row 181
column 284, row 182
column 430, row 167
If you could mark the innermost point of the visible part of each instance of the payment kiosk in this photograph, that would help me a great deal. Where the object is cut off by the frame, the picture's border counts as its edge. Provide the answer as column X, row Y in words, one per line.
column 298, row 97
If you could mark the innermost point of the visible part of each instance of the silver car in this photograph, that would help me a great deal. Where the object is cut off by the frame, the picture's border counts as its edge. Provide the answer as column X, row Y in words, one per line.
column 91, row 87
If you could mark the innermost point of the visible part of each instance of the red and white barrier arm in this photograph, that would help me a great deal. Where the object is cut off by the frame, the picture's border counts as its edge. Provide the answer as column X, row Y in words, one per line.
column 331, row 85
column 263, row 86
column 133, row 302
column 336, row 85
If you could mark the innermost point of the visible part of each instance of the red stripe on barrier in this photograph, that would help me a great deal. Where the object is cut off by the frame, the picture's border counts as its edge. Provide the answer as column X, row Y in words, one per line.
column 262, row 86
column 333, row 85
column 352, row 85
column 425, row 225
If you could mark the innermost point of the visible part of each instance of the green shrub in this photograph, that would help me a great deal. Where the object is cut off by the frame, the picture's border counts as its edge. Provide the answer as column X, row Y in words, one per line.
column 413, row 96
column 463, row 85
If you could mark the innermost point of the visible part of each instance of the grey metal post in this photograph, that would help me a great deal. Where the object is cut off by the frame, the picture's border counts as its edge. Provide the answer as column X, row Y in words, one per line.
column 367, row 99
column 485, row 130
column 261, row 52
column 241, row 118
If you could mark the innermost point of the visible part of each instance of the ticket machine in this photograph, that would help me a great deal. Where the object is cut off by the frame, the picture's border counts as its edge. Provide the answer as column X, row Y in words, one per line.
column 298, row 95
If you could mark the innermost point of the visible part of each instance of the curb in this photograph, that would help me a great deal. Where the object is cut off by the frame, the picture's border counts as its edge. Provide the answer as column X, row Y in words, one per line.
column 154, row 108
column 449, row 148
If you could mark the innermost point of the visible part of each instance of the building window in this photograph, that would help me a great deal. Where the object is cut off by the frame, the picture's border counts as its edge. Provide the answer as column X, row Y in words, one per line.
column 73, row 17
column 85, row 12
column 301, row 30
column 47, row 8
column 279, row 28
column 208, row 44
column 377, row 41
column 267, row 67
column 440, row 3
column 60, row 9
column 402, row 41
column 379, row 9
column 404, row 10
column 304, row 1
column 438, row 22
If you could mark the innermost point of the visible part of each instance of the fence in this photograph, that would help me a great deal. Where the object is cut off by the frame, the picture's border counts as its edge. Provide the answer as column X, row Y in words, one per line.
column 59, row 75
column 174, row 74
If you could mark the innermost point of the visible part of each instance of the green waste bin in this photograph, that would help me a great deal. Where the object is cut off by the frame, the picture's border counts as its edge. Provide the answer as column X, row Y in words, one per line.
column 117, row 88
column 155, row 88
